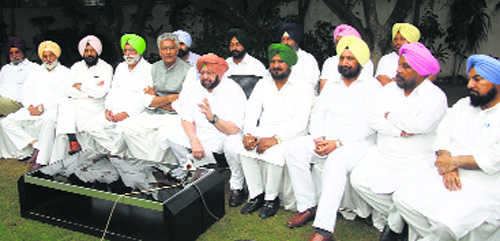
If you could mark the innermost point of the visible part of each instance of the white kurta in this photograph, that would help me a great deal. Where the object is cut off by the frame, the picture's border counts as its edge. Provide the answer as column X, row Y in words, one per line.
column 330, row 70
column 396, row 158
column 306, row 70
column 126, row 95
column 333, row 117
column 82, row 105
column 41, row 87
column 248, row 66
column 12, row 78
column 193, row 58
column 465, row 130
column 388, row 65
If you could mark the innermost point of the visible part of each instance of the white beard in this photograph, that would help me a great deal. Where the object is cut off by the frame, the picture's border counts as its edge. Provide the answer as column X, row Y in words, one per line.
column 50, row 66
column 132, row 59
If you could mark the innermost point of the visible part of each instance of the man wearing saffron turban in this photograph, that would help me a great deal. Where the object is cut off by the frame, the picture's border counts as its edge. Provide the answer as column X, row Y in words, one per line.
column 339, row 138
column 401, row 33
column 90, row 82
column 185, row 43
column 33, row 126
column 306, row 70
column 330, row 70
column 125, row 99
column 458, row 197
column 211, row 117
column 277, row 112
column 405, row 116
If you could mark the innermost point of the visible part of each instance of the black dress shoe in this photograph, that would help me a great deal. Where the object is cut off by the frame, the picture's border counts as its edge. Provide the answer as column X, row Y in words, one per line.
column 270, row 208
column 237, row 197
column 389, row 235
column 254, row 204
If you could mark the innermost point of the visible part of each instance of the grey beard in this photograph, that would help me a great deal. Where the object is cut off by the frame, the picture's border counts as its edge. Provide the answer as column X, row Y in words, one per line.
column 133, row 60
column 50, row 66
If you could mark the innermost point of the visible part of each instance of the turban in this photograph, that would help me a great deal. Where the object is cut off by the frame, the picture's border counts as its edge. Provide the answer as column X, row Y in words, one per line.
column 49, row 46
column 93, row 41
column 296, row 31
column 419, row 58
column 345, row 30
column 184, row 37
column 286, row 53
column 241, row 35
column 136, row 41
column 486, row 66
column 214, row 63
column 357, row 46
column 16, row 42
column 408, row 31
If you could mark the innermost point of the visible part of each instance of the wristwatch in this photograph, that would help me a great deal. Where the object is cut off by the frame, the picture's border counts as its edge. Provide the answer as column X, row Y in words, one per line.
column 214, row 120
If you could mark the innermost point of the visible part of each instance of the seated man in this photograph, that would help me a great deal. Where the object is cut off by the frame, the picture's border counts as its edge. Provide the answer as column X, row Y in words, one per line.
column 185, row 42
column 140, row 133
column 90, row 81
column 211, row 117
column 33, row 126
column 340, row 137
column 125, row 99
column 405, row 116
column 461, row 199
column 277, row 112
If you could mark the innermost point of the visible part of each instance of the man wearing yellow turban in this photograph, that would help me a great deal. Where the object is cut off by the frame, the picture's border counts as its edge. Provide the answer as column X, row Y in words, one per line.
column 401, row 33
column 339, row 138
column 33, row 126
column 128, row 96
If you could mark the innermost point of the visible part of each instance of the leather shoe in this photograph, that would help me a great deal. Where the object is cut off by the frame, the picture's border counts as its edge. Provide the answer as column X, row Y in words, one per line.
column 270, row 208
column 301, row 218
column 237, row 197
column 319, row 237
column 389, row 235
column 254, row 204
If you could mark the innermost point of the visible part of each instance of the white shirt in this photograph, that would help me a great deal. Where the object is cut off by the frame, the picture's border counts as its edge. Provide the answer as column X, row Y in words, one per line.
column 284, row 112
column 419, row 114
column 127, row 90
column 341, row 112
column 330, row 69
column 248, row 66
column 46, row 87
column 306, row 69
column 12, row 78
column 193, row 58
column 388, row 65
column 95, row 80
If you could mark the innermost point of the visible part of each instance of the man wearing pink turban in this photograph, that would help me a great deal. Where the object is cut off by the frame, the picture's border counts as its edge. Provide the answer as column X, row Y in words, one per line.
column 89, row 83
column 330, row 66
column 33, row 126
column 405, row 116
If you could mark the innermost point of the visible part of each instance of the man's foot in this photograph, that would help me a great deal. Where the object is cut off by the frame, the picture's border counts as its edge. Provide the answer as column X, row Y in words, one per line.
column 301, row 218
column 237, row 197
column 74, row 147
column 253, row 204
column 321, row 235
column 33, row 157
column 270, row 208
column 389, row 235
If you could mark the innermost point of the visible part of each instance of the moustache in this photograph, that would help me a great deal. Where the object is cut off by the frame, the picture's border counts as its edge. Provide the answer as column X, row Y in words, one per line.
column 277, row 69
column 472, row 91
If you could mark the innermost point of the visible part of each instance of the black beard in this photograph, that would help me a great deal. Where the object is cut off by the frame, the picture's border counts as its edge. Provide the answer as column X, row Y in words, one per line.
column 182, row 53
column 212, row 85
column 477, row 100
column 238, row 54
column 405, row 84
column 349, row 72
column 281, row 76
column 90, row 60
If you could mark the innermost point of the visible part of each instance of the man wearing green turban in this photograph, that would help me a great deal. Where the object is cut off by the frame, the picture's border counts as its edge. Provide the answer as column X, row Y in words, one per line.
column 281, row 108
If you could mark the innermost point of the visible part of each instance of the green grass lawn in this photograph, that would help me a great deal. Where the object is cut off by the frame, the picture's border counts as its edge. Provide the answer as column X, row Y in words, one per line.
column 233, row 226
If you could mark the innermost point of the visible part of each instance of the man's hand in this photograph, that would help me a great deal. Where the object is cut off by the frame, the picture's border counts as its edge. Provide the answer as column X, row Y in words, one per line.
column 250, row 142
column 206, row 110
column 384, row 79
column 444, row 163
column 325, row 147
column 197, row 149
column 168, row 107
column 150, row 91
column 36, row 110
column 265, row 143
column 452, row 181
column 120, row 116
column 404, row 134
column 109, row 115
column 78, row 86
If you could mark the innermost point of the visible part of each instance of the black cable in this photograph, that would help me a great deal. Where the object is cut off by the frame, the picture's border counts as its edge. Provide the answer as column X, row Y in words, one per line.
column 204, row 203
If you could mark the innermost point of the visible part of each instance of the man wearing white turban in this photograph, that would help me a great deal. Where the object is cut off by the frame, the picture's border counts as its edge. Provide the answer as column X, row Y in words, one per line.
column 33, row 126
column 185, row 42
column 90, row 80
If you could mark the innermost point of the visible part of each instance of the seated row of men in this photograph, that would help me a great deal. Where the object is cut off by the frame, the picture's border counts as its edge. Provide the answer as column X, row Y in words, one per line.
column 374, row 144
